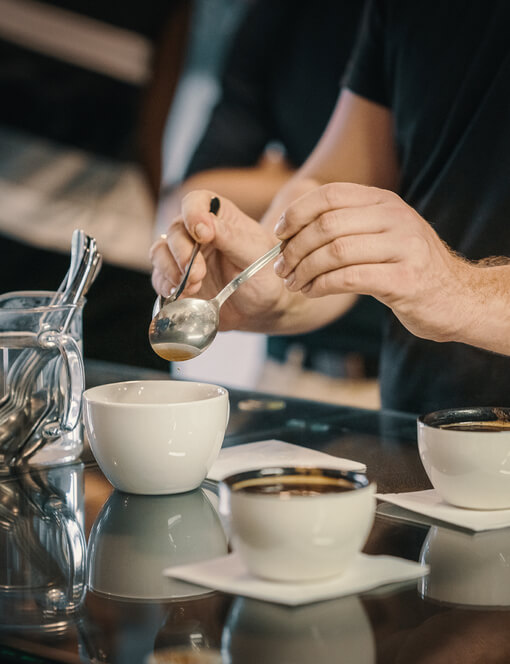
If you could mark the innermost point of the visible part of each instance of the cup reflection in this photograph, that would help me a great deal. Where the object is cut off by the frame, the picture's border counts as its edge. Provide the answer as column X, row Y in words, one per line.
column 135, row 538
column 467, row 570
column 333, row 631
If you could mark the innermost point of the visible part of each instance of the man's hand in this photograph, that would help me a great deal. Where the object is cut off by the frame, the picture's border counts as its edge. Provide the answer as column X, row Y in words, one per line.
column 347, row 238
column 230, row 242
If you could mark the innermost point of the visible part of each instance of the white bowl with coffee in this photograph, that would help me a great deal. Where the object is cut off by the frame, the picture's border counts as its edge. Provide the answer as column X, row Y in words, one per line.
column 466, row 455
column 298, row 524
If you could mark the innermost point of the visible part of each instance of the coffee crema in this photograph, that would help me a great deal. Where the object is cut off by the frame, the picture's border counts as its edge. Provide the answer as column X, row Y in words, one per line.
column 302, row 489
column 291, row 486
column 489, row 425
column 175, row 352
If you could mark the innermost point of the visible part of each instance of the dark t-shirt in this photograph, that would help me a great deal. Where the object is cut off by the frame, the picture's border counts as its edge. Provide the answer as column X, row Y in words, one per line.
column 444, row 70
column 280, row 84
column 281, row 81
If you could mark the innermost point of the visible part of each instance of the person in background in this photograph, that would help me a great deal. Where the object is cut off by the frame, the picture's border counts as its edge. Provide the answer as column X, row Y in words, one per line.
column 85, row 88
column 405, row 198
column 280, row 83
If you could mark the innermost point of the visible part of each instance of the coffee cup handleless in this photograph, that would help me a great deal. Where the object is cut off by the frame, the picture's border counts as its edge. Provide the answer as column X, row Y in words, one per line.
column 156, row 436
column 298, row 524
column 466, row 455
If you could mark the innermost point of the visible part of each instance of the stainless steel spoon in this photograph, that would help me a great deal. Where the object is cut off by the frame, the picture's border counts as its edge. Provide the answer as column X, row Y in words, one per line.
column 185, row 328
column 162, row 301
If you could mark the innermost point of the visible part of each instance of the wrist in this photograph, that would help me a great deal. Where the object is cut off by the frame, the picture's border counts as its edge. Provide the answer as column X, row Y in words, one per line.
column 484, row 306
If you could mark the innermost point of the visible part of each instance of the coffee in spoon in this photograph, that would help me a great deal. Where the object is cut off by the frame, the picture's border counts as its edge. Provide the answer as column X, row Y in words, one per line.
column 184, row 328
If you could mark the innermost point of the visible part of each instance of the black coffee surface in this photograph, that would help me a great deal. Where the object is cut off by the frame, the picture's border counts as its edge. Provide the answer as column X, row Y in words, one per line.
column 490, row 425
column 296, row 489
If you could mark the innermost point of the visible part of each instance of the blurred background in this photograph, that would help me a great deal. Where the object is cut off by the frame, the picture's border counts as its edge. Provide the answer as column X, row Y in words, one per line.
column 102, row 104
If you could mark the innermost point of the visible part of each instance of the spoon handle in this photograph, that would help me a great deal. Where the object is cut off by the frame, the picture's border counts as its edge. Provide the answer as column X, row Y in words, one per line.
column 247, row 273
column 160, row 300
column 181, row 286
column 214, row 207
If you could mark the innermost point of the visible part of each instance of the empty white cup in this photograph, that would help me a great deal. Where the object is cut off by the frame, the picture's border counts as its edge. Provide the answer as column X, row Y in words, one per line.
column 156, row 437
column 468, row 467
column 287, row 527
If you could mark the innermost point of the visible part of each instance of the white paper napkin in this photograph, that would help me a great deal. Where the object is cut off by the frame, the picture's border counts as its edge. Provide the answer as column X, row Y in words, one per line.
column 229, row 575
column 267, row 453
column 430, row 504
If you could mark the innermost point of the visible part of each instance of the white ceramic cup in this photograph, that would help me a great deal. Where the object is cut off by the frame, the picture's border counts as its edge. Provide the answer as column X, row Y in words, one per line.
column 135, row 538
column 467, row 570
column 287, row 536
column 156, row 437
column 468, row 468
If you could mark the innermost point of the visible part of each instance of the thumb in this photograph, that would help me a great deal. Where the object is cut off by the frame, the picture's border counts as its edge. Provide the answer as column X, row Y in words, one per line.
column 237, row 236
column 199, row 209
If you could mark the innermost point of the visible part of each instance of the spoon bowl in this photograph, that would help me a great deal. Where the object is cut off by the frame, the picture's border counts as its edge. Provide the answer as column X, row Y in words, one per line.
column 183, row 329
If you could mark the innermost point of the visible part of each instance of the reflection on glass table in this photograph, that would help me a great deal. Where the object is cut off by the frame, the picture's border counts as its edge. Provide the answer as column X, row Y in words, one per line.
column 333, row 631
column 43, row 550
column 467, row 570
column 135, row 538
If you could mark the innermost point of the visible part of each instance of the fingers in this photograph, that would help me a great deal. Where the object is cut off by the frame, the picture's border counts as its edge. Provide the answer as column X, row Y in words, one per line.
column 171, row 252
column 374, row 279
column 343, row 252
column 328, row 228
column 329, row 197
column 345, row 238
column 238, row 237
column 212, row 221
column 200, row 210
column 180, row 247
column 170, row 255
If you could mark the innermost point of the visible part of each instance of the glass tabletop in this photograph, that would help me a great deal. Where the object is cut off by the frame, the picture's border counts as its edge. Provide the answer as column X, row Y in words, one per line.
column 81, row 563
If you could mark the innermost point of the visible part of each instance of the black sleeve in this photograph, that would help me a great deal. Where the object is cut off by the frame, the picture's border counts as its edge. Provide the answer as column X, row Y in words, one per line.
column 240, row 125
column 366, row 72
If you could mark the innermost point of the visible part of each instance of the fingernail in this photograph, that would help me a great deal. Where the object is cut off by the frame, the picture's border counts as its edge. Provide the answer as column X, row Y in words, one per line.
column 290, row 279
column 200, row 230
column 279, row 265
column 280, row 226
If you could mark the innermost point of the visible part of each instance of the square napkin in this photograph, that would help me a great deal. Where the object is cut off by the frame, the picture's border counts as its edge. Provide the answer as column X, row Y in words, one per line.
column 229, row 575
column 268, row 453
column 431, row 504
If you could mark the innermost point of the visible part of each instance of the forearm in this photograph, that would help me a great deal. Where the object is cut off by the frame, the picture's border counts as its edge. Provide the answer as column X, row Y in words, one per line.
column 344, row 154
column 297, row 314
column 485, row 318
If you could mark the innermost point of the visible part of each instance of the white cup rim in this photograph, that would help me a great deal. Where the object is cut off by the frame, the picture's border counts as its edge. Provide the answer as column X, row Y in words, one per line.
column 95, row 395
column 359, row 481
column 439, row 418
